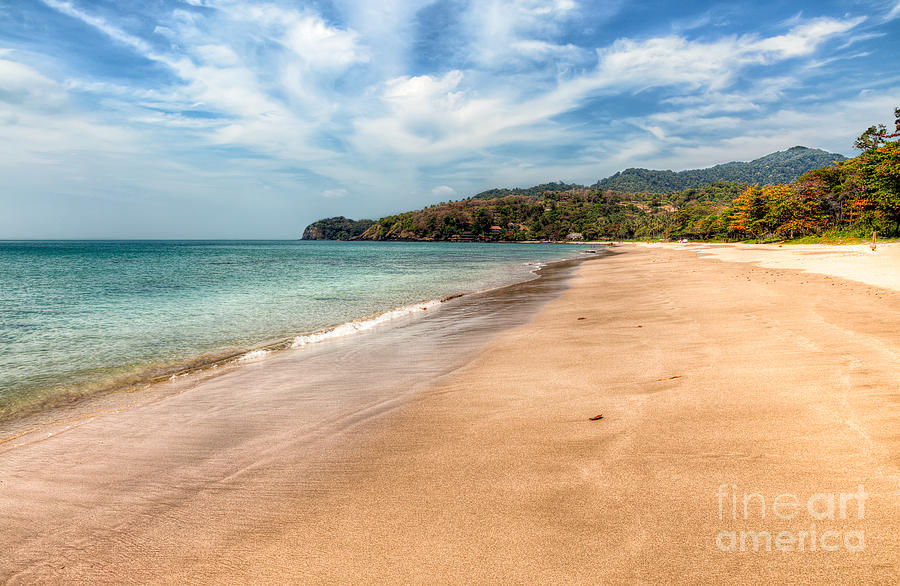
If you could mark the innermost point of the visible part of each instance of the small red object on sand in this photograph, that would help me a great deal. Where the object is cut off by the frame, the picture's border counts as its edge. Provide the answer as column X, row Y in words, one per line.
column 596, row 417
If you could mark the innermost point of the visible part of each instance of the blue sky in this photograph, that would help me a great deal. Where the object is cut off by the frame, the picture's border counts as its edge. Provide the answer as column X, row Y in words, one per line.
column 236, row 119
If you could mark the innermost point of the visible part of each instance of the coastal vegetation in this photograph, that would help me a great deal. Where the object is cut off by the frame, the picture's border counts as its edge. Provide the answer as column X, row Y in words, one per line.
column 848, row 198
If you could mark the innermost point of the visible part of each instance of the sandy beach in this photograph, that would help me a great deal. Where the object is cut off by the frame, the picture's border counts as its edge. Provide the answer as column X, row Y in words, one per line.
column 720, row 372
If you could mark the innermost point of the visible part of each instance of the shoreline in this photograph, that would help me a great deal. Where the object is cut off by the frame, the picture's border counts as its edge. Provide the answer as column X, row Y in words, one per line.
column 707, row 372
column 64, row 415
column 254, row 437
column 148, row 378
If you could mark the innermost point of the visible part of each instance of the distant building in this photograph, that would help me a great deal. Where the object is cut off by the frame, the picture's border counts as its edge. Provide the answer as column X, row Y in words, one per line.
column 496, row 229
column 574, row 236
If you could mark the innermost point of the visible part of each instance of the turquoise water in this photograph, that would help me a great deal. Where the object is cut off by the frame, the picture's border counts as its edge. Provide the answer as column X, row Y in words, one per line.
column 77, row 317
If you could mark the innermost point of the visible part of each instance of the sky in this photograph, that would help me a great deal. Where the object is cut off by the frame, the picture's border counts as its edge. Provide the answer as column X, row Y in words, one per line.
column 237, row 119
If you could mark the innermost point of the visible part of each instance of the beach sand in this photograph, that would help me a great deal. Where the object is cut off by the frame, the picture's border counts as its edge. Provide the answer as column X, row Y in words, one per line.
column 857, row 262
column 713, row 378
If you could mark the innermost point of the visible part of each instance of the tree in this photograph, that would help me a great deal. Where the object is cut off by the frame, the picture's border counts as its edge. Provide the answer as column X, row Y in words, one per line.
column 896, row 124
column 750, row 211
column 482, row 220
column 880, row 184
column 871, row 138
column 875, row 136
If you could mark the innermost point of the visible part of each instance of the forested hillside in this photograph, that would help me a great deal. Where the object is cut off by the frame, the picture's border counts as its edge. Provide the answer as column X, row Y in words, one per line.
column 338, row 228
column 775, row 168
column 579, row 213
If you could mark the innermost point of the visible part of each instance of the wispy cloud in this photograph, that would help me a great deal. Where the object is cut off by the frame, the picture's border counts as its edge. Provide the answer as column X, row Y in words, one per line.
column 100, row 24
column 894, row 12
column 511, row 33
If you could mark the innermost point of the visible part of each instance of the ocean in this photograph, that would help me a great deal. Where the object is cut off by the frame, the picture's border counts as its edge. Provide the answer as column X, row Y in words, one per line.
column 77, row 318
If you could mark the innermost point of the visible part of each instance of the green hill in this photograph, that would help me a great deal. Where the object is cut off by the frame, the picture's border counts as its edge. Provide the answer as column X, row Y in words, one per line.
column 337, row 228
column 529, row 191
column 776, row 168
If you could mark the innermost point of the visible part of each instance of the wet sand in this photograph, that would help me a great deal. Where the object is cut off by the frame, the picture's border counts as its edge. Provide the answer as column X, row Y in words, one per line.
column 707, row 373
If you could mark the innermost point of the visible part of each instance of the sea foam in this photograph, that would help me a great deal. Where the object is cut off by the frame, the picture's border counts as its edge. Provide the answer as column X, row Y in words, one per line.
column 254, row 355
column 364, row 324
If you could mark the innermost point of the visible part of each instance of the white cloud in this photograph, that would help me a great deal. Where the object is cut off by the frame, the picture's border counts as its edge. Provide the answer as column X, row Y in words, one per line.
column 894, row 13
column 443, row 192
column 412, row 91
column 322, row 46
column 673, row 60
column 805, row 38
column 21, row 84
column 318, row 44
column 335, row 193
column 217, row 55
column 39, row 123
column 230, row 90
column 670, row 60
column 507, row 32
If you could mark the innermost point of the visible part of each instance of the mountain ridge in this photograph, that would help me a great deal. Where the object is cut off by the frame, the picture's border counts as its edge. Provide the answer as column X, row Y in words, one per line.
column 775, row 168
